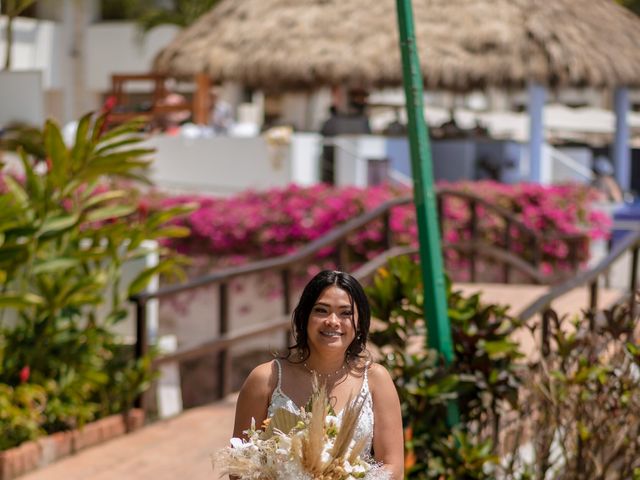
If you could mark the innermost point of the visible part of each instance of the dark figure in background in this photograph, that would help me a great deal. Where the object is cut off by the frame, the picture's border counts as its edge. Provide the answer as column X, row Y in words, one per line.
column 327, row 164
column 221, row 117
column 396, row 128
column 605, row 182
column 353, row 122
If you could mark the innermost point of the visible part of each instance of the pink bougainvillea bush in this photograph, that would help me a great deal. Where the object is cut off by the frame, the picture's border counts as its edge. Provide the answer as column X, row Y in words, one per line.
column 255, row 225
column 562, row 215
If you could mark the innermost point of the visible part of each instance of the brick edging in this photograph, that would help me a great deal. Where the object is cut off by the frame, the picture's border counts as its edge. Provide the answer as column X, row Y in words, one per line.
column 38, row 453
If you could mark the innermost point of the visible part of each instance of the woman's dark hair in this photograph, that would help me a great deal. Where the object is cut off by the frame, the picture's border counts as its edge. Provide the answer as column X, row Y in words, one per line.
column 310, row 294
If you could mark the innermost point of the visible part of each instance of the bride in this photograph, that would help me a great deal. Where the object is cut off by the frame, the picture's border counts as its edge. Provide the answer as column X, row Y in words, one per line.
column 330, row 323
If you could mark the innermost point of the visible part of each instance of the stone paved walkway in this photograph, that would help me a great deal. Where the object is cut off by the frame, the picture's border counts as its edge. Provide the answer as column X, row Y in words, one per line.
column 180, row 448
column 174, row 449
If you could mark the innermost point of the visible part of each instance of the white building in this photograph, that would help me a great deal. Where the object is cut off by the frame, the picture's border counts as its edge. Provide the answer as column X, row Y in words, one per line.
column 63, row 58
column 65, row 53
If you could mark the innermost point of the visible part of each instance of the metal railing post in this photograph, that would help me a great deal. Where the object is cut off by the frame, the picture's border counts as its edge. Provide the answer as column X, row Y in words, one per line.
column 593, row 295
column 142, row 343
column 224, row 357
column 286, row 301
column 536, row 251
column 386, row 227
column 506, row 268
column 342, row 255
column 633, row 281
column 440, row 209
column 474, row 233
column 573, row 254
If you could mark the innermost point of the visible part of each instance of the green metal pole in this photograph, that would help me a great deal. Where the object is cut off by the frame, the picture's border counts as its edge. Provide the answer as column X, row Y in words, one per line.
column 435, row 297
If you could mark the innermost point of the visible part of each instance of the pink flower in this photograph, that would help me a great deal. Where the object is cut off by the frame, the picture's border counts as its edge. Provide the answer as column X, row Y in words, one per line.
column 25, row 373
column 256, row 224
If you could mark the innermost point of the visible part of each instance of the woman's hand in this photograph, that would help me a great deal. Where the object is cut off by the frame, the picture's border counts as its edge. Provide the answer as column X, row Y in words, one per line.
column 388, row 439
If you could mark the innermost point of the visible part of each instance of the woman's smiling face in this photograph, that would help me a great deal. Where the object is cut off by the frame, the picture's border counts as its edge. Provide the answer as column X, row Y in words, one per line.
column 332, row 320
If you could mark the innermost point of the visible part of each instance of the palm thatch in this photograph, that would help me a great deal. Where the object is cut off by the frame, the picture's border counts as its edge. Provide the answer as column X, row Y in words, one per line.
column 463, row 44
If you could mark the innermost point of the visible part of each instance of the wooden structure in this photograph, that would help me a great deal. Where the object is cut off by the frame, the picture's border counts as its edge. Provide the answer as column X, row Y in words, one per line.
column 285, row 265
column 465, row 45
column 158, row 109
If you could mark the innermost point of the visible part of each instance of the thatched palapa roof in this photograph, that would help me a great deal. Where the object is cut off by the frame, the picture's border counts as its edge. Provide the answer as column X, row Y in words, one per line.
column 463, row 44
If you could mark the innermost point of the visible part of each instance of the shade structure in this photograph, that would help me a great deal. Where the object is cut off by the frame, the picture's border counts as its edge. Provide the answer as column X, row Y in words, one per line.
column 463, row 44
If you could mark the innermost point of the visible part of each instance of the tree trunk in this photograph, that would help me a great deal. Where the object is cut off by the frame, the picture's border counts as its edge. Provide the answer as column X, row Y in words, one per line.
column 9, row 37
column 12, row 9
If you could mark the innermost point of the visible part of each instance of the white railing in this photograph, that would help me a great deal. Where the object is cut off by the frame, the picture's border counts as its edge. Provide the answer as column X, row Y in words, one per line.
column 570, row 168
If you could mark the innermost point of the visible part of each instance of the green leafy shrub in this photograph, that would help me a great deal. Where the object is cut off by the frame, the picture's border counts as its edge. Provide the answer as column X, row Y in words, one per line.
column 66, row 230
column 569, row 415
column 580, row 413
column 483, row 379
column 21, row 413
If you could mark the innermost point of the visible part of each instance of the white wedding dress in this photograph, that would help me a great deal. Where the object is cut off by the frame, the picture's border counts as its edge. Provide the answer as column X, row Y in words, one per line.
column 364, row 428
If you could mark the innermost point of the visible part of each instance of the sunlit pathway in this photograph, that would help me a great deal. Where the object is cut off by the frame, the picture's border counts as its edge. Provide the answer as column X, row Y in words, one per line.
column 180, row 448
column 519, row 296
column 175, row 449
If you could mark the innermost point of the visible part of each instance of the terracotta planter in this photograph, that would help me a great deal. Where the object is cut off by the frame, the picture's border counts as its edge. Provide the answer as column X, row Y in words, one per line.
column 44, row 451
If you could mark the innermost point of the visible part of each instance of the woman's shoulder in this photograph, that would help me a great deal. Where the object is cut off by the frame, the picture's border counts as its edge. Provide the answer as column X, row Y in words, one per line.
column 262, row 378
column 375, row 369
column 378, row 376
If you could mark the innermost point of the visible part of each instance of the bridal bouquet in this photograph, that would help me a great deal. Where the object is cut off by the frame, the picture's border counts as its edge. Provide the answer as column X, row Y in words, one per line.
column 313, row 445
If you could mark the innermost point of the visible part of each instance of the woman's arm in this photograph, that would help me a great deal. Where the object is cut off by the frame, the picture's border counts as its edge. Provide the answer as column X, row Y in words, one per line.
column 253, row 399
column 388, row 440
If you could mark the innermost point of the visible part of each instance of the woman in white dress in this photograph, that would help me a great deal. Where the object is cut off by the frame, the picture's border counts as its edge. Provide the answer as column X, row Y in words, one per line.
column 330, row 327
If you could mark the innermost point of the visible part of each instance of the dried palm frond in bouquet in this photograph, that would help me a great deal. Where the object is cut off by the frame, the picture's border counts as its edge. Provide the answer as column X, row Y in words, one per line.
column 312, row 445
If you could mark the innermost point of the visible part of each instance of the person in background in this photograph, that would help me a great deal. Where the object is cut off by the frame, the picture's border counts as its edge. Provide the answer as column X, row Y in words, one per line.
column 171, row 120
column 330, row 128
column 357, row 112
column 605, row 182
column 221, row 119
column 352, row 122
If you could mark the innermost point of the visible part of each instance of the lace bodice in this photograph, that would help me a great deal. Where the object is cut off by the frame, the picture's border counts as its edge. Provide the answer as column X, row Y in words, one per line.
column 364, row 428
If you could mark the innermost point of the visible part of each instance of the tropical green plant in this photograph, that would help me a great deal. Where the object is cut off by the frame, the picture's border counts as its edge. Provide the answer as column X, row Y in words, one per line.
column 22, row 136
column 66, row 231
column 483, row 380
column 181, row 13
column 571, row 414
column 150, row 14
column 580, row 410
column 633, row 5
column 21, row 411
column 459, row 456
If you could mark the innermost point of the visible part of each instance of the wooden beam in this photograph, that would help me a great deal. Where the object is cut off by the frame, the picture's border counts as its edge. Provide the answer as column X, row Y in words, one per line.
column 201, row 100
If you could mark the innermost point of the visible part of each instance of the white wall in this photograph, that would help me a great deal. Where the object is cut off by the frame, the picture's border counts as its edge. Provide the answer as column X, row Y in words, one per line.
column 227, row 165
column 38, row 45
column 306, row 111
column 109, row 47
column 21, row 97
column 118, row 47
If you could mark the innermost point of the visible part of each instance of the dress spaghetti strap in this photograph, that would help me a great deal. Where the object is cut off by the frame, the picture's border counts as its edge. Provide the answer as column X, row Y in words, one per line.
column 365, row 381
column 279, row 374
